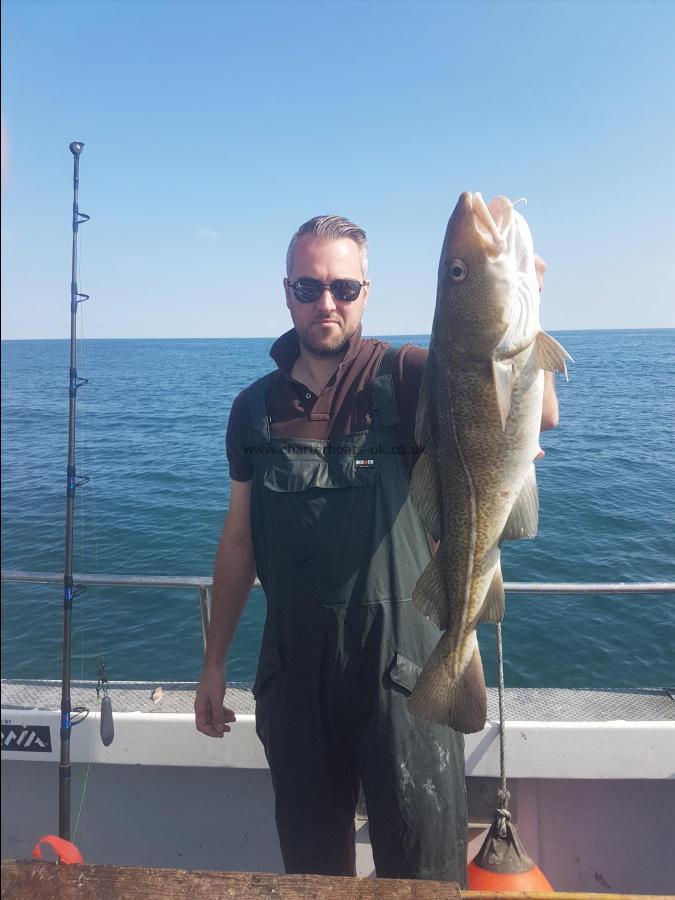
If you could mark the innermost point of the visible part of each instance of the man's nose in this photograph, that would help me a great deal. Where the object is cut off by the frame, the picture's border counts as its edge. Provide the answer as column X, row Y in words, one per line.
column 326, row 301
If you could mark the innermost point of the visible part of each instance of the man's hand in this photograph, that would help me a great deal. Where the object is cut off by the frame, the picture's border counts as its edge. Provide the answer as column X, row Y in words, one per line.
column 211, row 715
column 540, row 268
column 549, row 412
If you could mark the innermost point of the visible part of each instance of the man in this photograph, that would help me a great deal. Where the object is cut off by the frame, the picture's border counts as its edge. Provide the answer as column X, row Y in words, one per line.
column 320, row 455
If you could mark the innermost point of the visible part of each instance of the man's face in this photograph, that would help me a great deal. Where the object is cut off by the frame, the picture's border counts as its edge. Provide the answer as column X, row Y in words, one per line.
column 324, row 327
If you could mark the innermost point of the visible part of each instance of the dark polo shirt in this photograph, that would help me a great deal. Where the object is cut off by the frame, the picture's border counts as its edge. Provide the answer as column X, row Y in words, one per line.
column 342, row 407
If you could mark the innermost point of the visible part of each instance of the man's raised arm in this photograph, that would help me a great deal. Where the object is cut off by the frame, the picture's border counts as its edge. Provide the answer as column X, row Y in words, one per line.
column 232, row 581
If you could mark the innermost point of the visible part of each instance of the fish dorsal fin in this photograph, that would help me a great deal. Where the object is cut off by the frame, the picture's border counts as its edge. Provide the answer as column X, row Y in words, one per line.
column 523, row 520
column 552, row 355
column 426, row 494
column 503, row 377
column 494, row 604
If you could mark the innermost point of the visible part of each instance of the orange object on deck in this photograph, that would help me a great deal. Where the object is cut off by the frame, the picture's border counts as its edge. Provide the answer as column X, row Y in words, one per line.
column 66, row 851
column 485, row 880
column 503, row 864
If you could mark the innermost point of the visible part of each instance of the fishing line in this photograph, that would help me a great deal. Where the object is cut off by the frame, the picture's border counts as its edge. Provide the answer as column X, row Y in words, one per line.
column 86, row 452
column 82, row 349
column 81, row 408
column 87, row 456
column 503, row 794
column 83, row 427
column 86, row 774
column 86, row 779
column 84, row 791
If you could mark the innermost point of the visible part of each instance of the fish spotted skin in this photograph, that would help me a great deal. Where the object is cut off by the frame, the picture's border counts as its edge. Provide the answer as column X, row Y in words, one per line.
column 478, row 419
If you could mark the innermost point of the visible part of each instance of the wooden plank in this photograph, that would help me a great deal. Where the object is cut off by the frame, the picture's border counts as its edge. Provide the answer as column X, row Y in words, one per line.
column 31, row 880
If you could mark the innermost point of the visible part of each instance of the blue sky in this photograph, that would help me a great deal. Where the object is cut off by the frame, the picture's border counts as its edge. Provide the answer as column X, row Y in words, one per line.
column 212, row 130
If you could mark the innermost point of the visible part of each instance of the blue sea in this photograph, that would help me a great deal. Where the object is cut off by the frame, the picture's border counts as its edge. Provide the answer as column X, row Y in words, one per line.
column 150, row 436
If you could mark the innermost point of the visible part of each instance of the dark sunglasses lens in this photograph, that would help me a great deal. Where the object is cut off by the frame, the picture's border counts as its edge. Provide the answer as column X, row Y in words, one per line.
column 307, row 290
column 345, row 289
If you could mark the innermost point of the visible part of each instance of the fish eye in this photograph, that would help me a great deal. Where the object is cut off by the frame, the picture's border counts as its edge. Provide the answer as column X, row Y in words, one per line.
column 458, row 270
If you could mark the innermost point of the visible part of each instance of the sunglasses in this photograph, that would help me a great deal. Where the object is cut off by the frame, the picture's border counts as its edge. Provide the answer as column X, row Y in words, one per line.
column 308, row 290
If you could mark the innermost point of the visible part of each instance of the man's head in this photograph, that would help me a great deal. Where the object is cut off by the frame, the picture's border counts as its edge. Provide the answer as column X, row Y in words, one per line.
column 327, row 249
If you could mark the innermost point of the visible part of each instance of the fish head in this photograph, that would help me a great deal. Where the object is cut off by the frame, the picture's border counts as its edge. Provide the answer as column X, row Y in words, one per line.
column 487, row 296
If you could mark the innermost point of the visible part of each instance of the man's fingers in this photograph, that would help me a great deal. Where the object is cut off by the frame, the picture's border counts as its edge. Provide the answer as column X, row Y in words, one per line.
column 540, row 268
column 205, row 726
column 221, row 718
column 212, row 717
column 208, row 723
column 210, row 731
column 203, row 718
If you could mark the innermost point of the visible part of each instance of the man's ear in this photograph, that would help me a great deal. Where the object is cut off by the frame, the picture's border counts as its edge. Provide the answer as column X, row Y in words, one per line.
column 287, row 291
column 367, row 294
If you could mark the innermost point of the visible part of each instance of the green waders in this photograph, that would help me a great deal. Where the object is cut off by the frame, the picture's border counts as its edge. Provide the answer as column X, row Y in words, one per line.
column 339, row 548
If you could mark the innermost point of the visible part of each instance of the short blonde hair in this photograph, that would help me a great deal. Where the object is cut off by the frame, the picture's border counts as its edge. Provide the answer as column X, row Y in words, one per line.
column 331, row 228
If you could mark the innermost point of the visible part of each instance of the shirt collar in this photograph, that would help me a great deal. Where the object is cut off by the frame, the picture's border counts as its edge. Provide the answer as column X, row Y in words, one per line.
column 286, row 349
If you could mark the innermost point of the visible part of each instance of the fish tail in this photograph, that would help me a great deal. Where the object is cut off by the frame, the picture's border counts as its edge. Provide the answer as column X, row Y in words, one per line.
column 443, row 699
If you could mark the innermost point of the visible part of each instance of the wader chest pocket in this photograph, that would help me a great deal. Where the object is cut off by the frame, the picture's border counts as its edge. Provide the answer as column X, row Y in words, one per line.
column 403, row 674
column 341, row 473
column 270, row 665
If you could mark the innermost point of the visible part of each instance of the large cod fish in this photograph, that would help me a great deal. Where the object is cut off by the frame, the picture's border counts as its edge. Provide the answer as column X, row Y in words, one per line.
column 478, row 418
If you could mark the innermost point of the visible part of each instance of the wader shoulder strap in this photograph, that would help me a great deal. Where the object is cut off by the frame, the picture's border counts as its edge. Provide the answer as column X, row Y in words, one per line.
column 385, row 408
column 259, row 410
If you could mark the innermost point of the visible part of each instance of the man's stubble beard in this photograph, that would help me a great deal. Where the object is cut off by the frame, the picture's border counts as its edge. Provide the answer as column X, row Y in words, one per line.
column 336, row 349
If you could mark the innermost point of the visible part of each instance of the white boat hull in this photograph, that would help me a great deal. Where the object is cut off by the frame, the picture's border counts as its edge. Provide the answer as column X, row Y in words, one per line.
column 593, row 798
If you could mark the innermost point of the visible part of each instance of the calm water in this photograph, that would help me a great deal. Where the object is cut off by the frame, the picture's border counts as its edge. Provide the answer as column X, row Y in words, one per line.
column 151, row 436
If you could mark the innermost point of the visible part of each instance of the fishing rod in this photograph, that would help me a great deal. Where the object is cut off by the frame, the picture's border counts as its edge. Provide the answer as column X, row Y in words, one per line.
column 73, row 481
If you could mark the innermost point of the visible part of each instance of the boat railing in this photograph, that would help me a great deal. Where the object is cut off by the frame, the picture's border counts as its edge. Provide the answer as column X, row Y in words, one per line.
column 203, row 585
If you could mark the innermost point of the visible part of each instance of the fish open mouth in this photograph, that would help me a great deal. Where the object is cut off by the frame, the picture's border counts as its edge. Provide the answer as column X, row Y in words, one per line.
column 492, row 222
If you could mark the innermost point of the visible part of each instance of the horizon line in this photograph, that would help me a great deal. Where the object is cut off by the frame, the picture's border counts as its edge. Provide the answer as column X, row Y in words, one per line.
column 274, row 337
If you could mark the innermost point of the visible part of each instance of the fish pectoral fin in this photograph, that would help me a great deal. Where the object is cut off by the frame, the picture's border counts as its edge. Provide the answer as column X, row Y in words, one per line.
column 523, row 520
column 429, row 596
column 552, row 355
column 503, row 378
column 425, row 494
column 460, row 703
column 494, row 604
